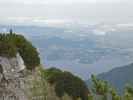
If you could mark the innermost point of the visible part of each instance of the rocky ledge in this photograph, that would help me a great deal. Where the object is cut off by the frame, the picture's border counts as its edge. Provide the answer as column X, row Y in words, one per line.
column 12, row 78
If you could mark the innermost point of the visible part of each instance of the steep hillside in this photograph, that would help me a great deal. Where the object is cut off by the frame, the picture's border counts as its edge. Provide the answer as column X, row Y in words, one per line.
column 22, row 78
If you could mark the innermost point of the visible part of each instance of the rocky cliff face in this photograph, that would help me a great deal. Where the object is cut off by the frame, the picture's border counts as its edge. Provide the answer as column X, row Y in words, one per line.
column 12, row 78
column 17, row 83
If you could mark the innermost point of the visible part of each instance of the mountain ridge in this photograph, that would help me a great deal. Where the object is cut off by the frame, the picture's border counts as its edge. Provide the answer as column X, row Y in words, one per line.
column 118, row 77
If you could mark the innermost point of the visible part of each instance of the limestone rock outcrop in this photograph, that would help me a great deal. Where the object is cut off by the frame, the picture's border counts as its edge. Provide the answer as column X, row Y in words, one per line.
column 17, row 83
column 12, row 78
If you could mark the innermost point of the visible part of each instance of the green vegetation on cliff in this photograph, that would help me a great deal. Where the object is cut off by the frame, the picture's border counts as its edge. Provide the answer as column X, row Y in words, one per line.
column 7, row 49
column 65, row 82
column 10, row 44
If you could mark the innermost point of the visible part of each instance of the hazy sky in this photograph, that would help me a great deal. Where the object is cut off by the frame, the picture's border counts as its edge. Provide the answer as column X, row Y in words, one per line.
column 60, row 11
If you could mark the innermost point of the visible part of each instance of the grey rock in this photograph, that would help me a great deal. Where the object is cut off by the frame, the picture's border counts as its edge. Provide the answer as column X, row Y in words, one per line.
column 12, row 84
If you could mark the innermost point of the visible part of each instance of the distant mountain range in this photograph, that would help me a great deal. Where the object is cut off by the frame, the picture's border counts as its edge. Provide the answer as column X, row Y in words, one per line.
column 118, row 77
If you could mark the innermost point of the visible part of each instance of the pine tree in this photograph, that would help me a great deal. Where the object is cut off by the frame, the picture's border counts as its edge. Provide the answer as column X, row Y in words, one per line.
column 100, row 87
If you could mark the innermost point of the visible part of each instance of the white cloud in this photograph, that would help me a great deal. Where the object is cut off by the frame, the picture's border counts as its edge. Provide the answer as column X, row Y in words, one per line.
column 38, row 21
column 125, row 25
column 99, row 32
column 21, row 19
column 49, row 2
column 56, row 11
column 50, row 22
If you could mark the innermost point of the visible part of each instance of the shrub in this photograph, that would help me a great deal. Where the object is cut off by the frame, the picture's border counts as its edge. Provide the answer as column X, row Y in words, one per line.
column 65, row 82
column 10, row 44
column 7, row 49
